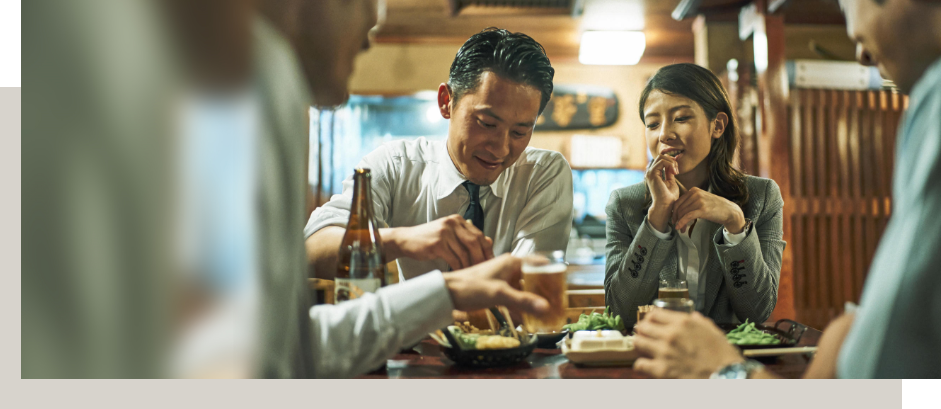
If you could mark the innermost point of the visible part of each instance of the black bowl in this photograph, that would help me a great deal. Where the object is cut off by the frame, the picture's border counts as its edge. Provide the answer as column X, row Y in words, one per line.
column 550, row 340
column 488, row 358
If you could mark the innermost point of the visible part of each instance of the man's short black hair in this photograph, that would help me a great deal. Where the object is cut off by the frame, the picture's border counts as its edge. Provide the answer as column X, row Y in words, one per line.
column 514, row 56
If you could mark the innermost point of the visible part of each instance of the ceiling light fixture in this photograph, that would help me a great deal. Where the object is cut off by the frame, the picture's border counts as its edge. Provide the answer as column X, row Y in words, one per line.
column 611, row 47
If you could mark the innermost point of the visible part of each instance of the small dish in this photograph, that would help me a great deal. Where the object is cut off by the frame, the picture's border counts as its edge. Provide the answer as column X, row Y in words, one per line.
column 789, row 337
column 610, row 351
column 550, row 340
column 600, row 340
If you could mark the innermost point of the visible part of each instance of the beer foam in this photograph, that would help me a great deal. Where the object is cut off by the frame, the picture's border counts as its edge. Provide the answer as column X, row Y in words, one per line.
column 546, row 269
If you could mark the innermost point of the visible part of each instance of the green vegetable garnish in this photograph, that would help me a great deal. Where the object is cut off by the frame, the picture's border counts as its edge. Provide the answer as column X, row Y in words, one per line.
column 748, row 334
column 597, row 321
column 468, row 341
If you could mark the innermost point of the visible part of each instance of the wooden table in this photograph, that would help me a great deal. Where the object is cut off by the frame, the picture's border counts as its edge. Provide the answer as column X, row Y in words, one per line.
column 585, row 277
column 428, row 361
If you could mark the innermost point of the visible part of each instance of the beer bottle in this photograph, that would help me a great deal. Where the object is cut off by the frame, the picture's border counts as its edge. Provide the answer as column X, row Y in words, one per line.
column 362, row 266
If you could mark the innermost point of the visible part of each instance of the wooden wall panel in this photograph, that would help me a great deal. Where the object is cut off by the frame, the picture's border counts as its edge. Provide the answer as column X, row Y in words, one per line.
column 842, row 145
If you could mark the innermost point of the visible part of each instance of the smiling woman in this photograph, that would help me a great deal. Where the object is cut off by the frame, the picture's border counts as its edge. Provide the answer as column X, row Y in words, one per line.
column 660, row 230
column 689, row 99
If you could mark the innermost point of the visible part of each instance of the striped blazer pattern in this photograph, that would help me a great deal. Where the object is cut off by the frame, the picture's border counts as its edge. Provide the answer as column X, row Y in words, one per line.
column 741, row 280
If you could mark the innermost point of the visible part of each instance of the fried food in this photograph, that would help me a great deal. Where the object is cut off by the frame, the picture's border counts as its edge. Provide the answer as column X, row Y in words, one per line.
column 466, row 327
column 496, row 342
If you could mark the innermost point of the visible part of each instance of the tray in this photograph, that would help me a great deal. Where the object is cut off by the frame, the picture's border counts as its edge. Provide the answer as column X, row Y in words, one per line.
column 598, row 358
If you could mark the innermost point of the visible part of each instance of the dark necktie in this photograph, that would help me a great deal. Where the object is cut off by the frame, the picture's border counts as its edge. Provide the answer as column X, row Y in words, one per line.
column 474, row 212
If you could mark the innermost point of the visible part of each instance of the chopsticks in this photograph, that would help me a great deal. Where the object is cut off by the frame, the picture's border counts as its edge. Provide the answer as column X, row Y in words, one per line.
column 683, row 189
column 663, row 175
column 502, row 316
column 778, row 351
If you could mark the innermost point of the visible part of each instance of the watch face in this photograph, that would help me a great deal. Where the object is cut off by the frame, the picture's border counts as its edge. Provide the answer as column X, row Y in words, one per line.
column 735, row 371
column 739, row 370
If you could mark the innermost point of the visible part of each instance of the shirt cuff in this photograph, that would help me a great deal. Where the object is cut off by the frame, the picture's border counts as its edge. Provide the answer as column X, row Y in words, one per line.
column 320, row 221
column 661, row 236
column 419, row 305
column 734, row 239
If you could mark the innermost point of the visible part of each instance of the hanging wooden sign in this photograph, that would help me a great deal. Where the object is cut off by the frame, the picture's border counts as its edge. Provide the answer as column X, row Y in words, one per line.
column 579, row 107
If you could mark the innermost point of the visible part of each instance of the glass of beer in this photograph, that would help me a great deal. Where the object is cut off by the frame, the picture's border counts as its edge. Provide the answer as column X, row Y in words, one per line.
column 544, row 274
column 675, row 304
column 673, row 289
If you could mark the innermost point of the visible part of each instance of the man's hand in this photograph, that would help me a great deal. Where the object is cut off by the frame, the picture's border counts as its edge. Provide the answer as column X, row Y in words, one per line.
column 495, row 282
column 452, row 238
column 828, row 348
column 678, row 345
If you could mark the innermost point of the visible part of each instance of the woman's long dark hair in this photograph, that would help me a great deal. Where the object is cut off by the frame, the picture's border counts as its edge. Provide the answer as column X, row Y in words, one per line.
column 701, row 85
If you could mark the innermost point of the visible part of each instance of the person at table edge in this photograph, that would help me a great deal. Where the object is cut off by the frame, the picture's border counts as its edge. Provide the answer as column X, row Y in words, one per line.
column 894, row 332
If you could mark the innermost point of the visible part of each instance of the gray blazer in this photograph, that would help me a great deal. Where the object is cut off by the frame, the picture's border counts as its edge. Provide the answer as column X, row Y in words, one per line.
column 742, row 280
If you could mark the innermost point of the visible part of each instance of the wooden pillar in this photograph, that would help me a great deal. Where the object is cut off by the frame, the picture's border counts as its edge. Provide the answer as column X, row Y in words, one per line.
column 772, row 127
column 715, row 43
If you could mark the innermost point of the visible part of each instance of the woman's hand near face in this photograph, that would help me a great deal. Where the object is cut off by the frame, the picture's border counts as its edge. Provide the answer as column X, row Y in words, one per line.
column 700, row 204
column 664, row 193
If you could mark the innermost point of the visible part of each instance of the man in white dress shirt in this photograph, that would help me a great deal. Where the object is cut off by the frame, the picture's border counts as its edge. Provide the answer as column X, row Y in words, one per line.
column 515, row 199
column 305, row 49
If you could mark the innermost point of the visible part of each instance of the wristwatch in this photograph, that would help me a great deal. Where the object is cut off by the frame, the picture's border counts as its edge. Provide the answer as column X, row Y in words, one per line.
column 748, row 224
column 738, row 370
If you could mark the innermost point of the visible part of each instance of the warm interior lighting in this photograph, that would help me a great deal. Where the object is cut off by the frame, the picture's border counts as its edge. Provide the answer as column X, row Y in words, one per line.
column 611, row 47
column 613, row 15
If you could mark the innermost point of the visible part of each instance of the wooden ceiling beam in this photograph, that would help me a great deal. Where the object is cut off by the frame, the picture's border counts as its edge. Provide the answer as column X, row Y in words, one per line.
column 416, row 25
column 811, row 12
column 430, row 22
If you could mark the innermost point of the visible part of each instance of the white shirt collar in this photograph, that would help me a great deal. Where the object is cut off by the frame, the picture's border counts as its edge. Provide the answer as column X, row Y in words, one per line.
column 449, row 178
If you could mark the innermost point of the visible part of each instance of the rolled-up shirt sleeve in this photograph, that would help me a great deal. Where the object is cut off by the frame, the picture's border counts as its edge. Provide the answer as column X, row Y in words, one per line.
column 358, row 336
column 336, row 212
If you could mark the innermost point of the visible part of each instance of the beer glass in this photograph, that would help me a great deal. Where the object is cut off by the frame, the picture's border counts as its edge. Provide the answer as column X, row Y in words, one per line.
column 675, row 304
column 544, row 274
column 673, row 289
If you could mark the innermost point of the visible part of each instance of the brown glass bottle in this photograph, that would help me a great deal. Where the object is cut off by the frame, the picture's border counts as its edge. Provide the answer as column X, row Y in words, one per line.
column 361, row 267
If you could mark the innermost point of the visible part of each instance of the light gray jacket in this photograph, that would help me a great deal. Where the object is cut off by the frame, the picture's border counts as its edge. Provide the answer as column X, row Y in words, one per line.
column 637, row 259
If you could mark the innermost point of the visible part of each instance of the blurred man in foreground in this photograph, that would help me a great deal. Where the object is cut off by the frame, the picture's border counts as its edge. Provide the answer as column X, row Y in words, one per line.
column 96, row 280
column 153, row 253
column 892, row 333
